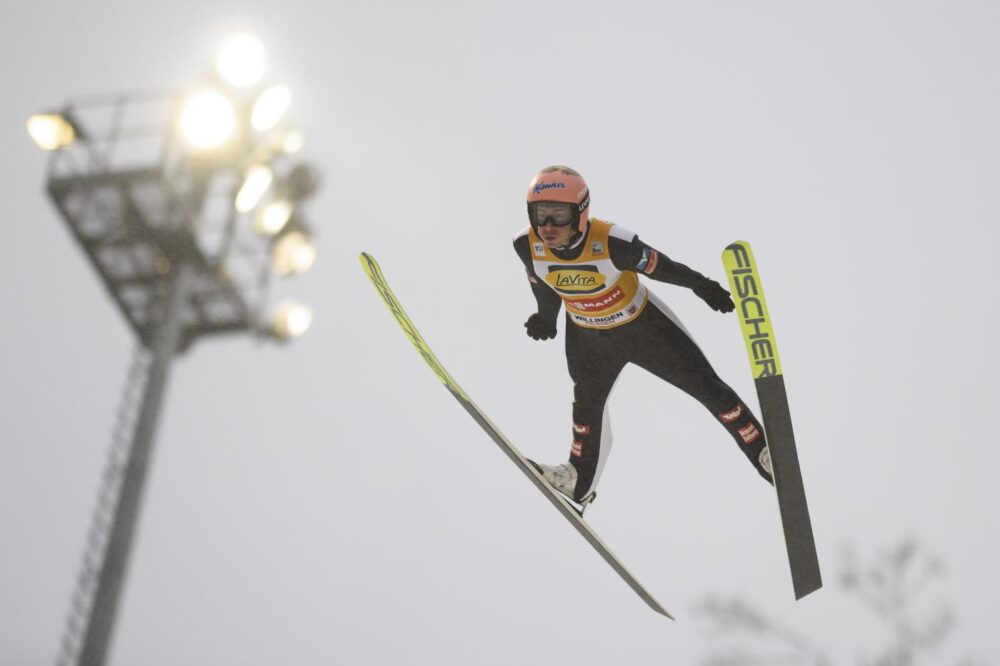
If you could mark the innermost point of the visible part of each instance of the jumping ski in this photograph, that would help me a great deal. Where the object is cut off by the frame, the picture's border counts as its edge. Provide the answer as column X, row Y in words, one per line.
column 570, row 512
column 762, row 350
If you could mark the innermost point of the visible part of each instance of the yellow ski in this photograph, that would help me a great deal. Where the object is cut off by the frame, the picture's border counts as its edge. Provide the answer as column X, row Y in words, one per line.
column 765, row 364
column 571, row 514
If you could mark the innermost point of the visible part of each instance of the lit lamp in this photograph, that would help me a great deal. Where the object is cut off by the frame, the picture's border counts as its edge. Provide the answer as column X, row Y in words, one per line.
column 241, row 61
column 273, row 218
column 294, row 252
column 51, row 131
column 291, row 320
column 290, row 190
column 255, row 185
column 292, row 142
column 208, row 119
column 270, row 108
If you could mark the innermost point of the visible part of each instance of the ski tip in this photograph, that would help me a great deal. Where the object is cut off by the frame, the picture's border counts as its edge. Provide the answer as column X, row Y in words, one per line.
column 368, row 263
column 736, row 244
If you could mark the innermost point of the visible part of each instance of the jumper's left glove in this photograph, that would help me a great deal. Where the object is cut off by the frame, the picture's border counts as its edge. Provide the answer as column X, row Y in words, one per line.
column 712, row 293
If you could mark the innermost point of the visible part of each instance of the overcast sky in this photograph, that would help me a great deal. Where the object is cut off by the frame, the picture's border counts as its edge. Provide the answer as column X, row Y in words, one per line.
column 329, row 502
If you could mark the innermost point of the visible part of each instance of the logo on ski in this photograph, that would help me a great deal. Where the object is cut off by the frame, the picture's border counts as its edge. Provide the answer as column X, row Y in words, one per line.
column 754, row 317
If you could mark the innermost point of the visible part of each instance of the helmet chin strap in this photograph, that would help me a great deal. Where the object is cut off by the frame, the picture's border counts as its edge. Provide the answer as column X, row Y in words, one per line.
column 574, row 240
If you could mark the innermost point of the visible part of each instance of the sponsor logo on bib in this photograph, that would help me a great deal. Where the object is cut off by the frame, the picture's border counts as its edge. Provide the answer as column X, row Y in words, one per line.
column 597, row 303
column 575, row 279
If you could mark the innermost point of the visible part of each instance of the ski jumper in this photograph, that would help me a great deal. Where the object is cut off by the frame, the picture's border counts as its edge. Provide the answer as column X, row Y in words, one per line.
column 611, row 320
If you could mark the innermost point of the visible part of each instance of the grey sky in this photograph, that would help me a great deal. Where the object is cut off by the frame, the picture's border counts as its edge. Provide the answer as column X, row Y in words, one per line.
column 330, row 503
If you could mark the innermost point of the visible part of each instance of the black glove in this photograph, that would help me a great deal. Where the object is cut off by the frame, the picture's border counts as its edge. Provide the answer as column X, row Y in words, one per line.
column 540, row 328
column 712, row 293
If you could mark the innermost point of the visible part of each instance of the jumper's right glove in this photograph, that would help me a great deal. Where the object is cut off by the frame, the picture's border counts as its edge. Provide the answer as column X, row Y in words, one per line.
column 717, row 298
column 540, row 328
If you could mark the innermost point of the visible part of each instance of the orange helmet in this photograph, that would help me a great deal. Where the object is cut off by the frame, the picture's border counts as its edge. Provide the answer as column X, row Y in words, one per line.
column 560, row 184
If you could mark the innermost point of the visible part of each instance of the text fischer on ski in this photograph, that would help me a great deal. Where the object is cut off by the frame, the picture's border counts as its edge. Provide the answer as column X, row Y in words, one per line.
column 592, row 266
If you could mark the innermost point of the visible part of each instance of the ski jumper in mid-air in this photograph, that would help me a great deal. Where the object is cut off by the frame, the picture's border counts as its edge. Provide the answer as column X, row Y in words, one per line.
column 592, row 267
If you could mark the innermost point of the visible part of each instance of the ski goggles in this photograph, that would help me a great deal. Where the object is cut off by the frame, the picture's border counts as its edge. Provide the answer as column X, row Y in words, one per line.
column 556, row 213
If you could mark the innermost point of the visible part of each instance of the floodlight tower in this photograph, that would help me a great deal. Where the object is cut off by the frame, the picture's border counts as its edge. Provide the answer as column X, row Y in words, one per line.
column 186, row 205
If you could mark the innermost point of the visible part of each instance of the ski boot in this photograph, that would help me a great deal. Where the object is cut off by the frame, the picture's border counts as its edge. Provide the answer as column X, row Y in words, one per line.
column 765, row 464
column 563, row 479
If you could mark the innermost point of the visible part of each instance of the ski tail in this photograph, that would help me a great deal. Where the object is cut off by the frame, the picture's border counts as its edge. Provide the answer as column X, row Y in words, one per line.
column 765, row 365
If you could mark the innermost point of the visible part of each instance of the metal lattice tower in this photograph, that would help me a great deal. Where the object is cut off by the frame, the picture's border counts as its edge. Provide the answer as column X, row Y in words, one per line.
column 181, row 262
column 107, row 501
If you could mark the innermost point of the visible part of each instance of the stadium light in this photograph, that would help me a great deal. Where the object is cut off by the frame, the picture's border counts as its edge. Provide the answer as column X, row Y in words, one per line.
column 161, row 232
column 294, row 252
column 241, row 61
column 50, row 131
column 291, row 320
column 270, row 108
column 292, row 142
column 256, row 184
column 274, row 217
column 208, row 119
